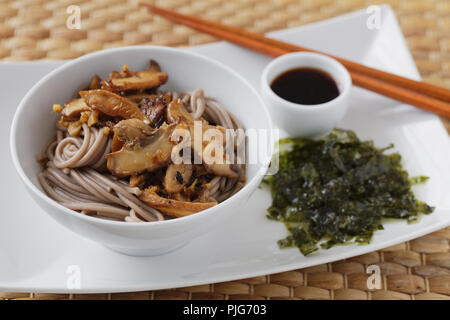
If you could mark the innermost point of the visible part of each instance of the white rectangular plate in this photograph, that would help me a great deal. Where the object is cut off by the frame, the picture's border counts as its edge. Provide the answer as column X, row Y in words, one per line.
column 36, row 253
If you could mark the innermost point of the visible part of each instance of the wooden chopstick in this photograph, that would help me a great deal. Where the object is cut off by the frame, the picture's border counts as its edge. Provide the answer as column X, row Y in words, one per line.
column 420, row 94
column 418, row 86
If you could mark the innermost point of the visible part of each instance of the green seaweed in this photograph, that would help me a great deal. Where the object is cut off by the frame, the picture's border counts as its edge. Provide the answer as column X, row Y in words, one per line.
column 337, row 190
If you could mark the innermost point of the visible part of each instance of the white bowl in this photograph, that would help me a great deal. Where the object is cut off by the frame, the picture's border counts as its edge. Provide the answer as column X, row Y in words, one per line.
column 34, row 126
column 299, row 119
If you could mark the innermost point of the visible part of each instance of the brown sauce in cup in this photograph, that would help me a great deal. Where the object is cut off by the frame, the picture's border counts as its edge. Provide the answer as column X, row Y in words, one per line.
column 307, row 86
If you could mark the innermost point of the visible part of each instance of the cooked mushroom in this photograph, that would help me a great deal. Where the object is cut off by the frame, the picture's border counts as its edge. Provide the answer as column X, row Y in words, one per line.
column 140, row 80
column 74, row 128
column 93, row 118
column 139, row 97
column 153, row 107
column 143, row 151
column 200, row 170
column 180, row 196
column 177, row 176
column 112, row 104
column 174, row 208
column 154, row 66
column 117, row 144
column 222, row 169
column 176, row 112
column 137, row 181
column 218, row 166
column 95, row 83
column 132, row 131
column 73, row 108
column 126, row 80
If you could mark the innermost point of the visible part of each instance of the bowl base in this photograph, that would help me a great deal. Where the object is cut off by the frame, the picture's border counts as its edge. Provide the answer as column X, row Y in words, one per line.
column 146, row 252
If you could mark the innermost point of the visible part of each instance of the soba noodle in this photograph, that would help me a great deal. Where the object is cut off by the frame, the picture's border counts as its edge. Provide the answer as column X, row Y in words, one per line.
column 75, row 175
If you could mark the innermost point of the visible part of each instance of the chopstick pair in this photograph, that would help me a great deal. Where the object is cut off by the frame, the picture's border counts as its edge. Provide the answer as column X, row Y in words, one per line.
column 417, row 93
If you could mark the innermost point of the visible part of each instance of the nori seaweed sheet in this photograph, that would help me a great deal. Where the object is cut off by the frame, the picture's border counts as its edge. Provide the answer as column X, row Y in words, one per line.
column 338, row 190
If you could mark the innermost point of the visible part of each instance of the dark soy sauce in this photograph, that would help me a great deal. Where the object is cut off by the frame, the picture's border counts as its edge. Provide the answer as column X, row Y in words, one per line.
column 305, row 86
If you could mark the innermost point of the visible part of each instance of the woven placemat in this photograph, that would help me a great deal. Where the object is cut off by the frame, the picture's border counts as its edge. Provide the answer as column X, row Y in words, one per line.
column 418, row 269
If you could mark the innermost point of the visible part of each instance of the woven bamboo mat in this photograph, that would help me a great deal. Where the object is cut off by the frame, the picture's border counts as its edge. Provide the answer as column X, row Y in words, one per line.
column 418, row 269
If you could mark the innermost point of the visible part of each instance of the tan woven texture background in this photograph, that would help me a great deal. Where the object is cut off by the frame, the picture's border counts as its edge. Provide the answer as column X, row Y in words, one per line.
column 418, row 269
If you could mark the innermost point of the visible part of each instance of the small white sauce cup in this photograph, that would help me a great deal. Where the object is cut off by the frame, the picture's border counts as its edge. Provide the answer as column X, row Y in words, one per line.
column 299, row 119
